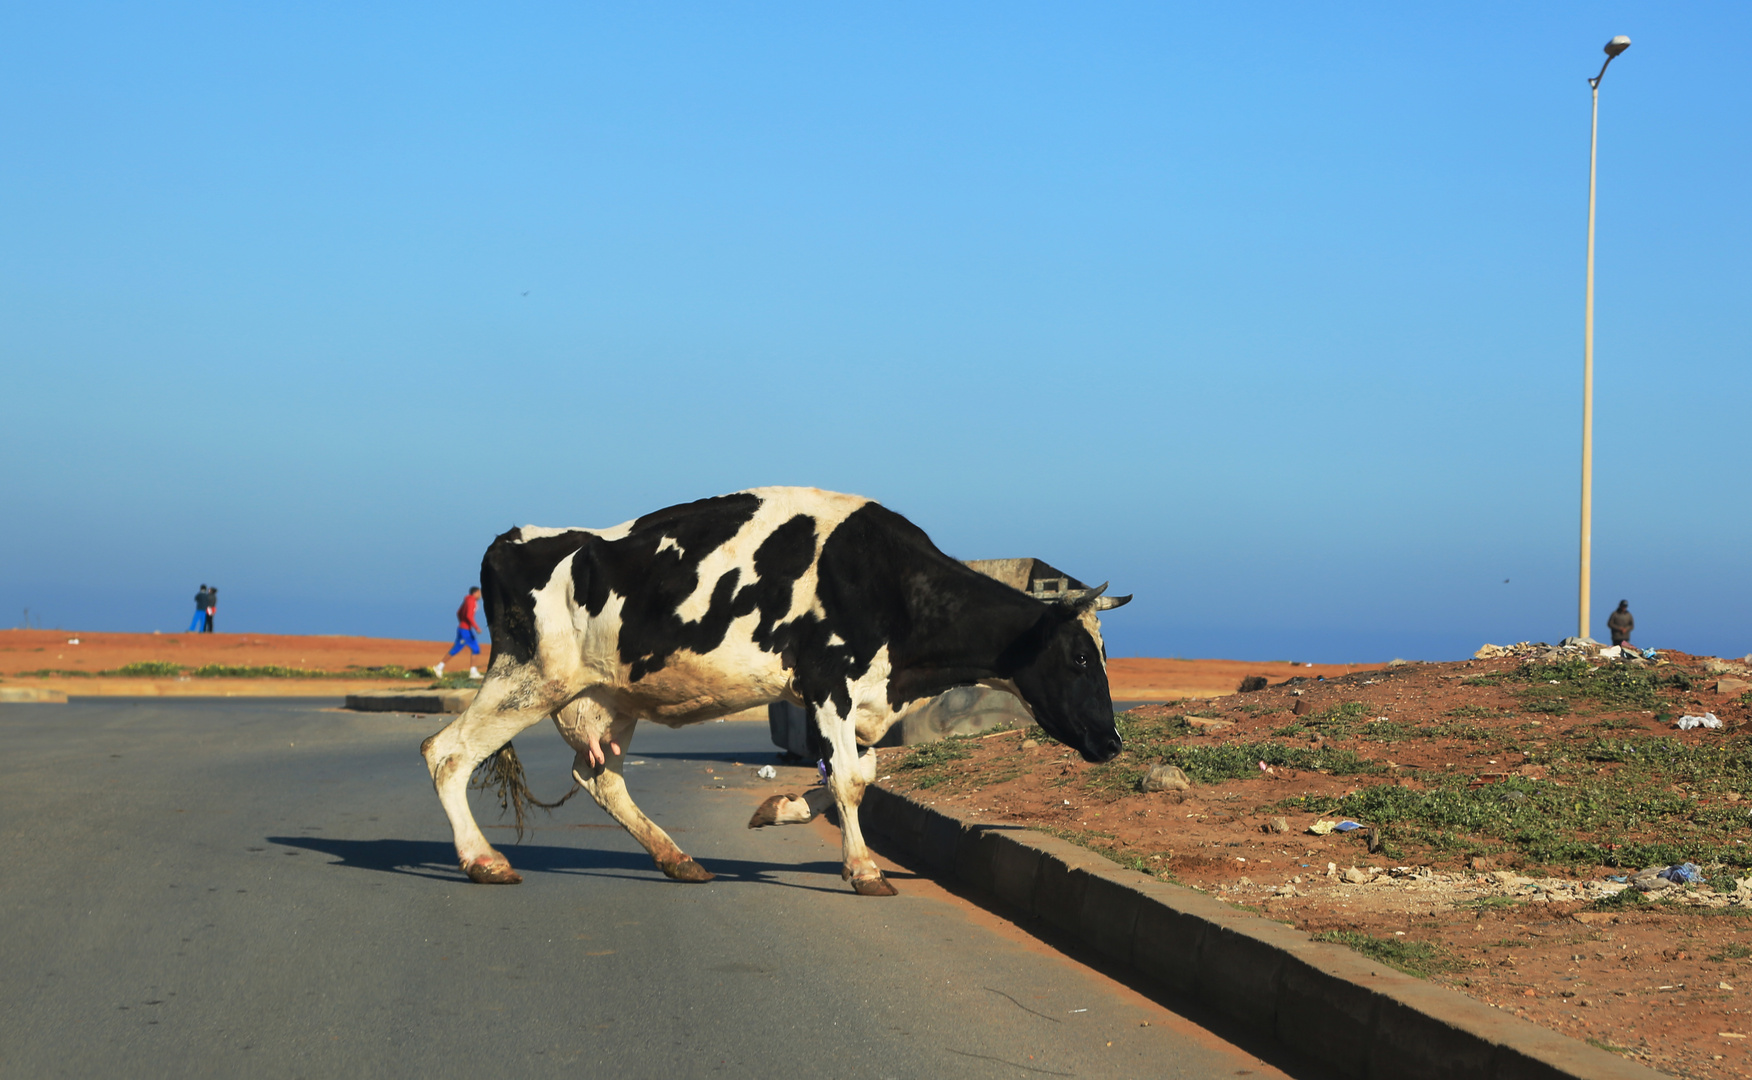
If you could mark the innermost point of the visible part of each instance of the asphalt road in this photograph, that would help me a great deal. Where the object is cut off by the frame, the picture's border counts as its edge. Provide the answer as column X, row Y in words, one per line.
column 224, row 887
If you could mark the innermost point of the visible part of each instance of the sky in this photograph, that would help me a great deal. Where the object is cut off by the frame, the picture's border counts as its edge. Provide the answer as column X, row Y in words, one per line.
column 1271, row 314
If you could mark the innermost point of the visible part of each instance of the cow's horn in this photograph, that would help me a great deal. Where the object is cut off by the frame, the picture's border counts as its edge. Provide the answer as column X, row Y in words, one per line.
column 1107, row 603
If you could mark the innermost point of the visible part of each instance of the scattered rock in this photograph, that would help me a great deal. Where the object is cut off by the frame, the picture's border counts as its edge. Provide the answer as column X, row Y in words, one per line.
column 1205, row 723
column 1166, row 778
column 1353, row 876
column 1732, row 686
column 1303, row 707
column 1029, row 744
column 1275, row 825
column 1481, row 863
column 1252, row 683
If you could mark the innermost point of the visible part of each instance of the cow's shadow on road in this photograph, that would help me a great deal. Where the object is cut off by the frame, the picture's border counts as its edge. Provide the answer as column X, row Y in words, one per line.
column 437, row 860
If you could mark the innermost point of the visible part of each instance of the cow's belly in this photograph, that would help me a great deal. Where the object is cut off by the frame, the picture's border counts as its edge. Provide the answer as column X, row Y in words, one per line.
column 691, row 688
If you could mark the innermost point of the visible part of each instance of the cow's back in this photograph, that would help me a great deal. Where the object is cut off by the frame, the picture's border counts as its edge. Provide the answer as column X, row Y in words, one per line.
column 686, row 610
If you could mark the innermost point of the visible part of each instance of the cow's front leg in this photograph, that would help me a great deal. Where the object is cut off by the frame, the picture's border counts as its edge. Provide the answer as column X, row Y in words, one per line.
column 846, row 779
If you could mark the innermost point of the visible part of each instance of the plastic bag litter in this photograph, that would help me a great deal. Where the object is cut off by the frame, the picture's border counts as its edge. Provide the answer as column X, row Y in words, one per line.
column 1322, row 827
column 1650, row 654
column 1682, row 874
column 767, row 772
column 1707, row 720
column 1347, row 826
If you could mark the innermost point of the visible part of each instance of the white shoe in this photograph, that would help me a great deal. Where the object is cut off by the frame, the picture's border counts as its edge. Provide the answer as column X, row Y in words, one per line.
column 474, row 673
column 438, row 669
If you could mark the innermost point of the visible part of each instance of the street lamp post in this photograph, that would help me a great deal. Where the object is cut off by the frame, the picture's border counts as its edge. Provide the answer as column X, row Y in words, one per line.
column 1613, row 48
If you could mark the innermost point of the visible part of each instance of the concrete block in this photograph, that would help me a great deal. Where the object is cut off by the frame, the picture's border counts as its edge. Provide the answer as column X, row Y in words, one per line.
column 19, row 695
column 1015, row 866
column 410, row 701
column 1732, row 686
column 1419, row 1033
column 1165, row 944
column 1239, row 962
column 1326, row 1007
column 1058, row 894
column 1110, row 912
column 974, row 856
column 939, row 841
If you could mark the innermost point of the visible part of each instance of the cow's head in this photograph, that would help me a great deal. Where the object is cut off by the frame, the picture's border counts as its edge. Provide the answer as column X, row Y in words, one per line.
column 1060, row 666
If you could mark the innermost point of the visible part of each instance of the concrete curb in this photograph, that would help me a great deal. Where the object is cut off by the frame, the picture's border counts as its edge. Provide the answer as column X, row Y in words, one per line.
column 20, row 694
column 1323, row 1001
column 410, row 701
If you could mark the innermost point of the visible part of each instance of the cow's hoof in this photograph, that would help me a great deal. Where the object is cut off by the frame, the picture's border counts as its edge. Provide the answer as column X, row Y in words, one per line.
column 688, row 870
column 767, row 813
column 873, row 886
column 486, row 872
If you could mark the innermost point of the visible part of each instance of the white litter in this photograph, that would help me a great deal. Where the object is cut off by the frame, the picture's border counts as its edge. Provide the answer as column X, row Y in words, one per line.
column 1707, row 720
column 766, row 772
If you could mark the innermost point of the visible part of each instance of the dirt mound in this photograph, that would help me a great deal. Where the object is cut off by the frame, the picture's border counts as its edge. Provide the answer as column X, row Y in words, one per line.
column 1492, row 824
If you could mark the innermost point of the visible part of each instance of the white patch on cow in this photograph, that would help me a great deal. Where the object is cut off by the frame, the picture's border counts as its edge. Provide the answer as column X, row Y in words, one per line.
column 667, row 544
column 1093, row 624
column 834, row 641
column 538, row 532
column 556, row 641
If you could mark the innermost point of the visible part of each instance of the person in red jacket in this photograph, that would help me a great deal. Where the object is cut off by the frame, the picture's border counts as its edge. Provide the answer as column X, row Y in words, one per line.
column 466, row 629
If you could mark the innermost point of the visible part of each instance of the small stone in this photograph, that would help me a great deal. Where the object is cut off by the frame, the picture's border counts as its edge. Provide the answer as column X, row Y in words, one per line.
column 1303, row 707
column 1723, row 986
column 1480, row 863
column 1275, row 825
column 1205, row 723
column 1732, row 686
column 1354, row 876
column 1166, row 778
column 1029, row 744
column 1245, row 881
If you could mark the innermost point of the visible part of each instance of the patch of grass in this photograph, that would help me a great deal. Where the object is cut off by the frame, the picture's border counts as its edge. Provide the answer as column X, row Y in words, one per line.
column 150, row 669
column 1554, row 688
column 1491, row 903
column 1602, row 1044
column 53, row 673
column 1722, row 883
column 1618, row 901
column 1473, row 712
column 932, row 761
column 1732, row 952
column 1418, row 958
column 1236, row 761
column 264, row 671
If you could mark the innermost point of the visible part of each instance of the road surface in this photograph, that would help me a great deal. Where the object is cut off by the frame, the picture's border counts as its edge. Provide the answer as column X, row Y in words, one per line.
column 222, row 887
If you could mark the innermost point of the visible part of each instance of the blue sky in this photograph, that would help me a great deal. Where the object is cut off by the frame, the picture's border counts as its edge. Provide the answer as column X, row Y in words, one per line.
column 1269, row 313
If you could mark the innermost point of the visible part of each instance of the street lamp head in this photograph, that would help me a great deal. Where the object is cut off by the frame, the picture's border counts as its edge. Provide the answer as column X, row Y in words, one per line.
column 1617, row 45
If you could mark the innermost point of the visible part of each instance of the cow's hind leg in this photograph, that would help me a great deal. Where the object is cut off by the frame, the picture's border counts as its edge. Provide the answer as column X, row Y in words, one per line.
column 607, row 784
column 504, row 706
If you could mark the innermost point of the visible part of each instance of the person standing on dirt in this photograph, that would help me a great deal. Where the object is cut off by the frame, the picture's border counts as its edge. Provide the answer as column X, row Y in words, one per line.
column 466, row 629
column 201, row 600
column 212, row 609
column 1621, row 623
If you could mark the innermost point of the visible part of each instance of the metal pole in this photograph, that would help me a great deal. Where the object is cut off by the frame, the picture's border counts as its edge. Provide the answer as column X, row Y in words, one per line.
column 1588, row 380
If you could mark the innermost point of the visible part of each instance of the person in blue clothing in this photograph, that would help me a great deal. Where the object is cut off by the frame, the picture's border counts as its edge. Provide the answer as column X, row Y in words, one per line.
column 202, row 600
column 466, row 629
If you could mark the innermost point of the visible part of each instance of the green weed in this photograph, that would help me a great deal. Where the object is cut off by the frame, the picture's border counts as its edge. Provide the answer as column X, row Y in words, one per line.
column 1418, row 958
column 151, row 669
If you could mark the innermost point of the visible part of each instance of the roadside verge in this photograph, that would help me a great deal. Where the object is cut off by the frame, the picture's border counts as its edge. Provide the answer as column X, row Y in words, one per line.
column 1323, row 1001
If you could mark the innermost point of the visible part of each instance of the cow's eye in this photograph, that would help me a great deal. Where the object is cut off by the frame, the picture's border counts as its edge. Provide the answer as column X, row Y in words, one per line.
column 1081, row 660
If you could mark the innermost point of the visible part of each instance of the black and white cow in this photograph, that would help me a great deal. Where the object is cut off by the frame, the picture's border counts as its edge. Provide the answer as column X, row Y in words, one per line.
column 776, row 594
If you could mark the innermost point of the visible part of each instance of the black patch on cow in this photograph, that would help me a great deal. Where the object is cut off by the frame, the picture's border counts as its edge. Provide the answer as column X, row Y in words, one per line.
column 655, row 582
column 510, row 571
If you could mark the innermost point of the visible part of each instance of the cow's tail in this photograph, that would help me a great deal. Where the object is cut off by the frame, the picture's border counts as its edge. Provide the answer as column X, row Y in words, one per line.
column 502, row 773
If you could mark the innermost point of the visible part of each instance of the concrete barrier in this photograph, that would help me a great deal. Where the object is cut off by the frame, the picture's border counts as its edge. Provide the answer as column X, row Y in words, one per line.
column 410, row 701
column 1322, row 1001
